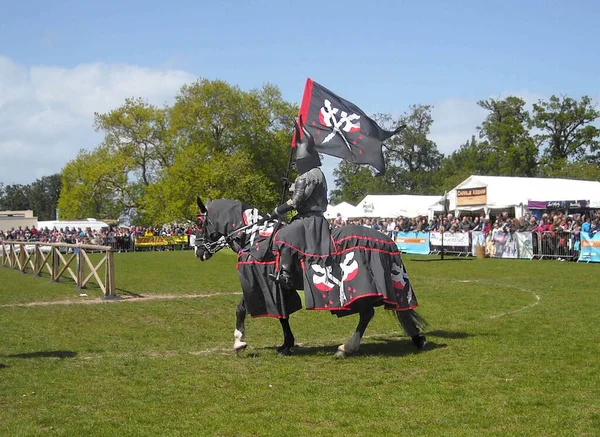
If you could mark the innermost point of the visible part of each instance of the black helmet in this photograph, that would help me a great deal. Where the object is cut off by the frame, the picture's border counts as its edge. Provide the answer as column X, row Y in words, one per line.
column 307, row 156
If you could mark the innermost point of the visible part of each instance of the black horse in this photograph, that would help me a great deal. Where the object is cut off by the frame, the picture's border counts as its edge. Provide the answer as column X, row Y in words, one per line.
column 366, row 271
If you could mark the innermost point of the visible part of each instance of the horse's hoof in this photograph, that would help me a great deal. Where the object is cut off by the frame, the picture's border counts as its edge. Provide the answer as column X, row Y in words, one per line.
column 239, row 346
column 284, row 351
column 341, row 352
column 419, row 341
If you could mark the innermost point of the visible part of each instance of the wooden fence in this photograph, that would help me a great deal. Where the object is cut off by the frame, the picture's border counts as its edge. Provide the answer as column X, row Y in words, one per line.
column 24, row 256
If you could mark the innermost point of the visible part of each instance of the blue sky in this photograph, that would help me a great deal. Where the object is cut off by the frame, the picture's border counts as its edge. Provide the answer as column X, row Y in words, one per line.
column 61, row 61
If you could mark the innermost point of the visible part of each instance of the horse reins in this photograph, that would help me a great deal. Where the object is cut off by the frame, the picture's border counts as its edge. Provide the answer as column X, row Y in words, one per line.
column 225, row 240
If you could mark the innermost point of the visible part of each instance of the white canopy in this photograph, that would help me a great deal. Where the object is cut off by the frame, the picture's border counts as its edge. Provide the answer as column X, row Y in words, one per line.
column 503, row 192
column 344, row 208
column 93, row 224
column 394, row 205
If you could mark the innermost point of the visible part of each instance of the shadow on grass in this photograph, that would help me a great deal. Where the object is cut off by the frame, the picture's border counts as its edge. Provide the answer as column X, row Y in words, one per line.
column 130, row 293
column 449, row 334
column 2, row 366
column 391, row 347
column 45, row 354
column 438, row 259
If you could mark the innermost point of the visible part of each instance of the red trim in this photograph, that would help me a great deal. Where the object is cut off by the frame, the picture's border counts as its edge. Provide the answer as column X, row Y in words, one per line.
column 254, row 262
column 269, row 315
column 372, row 249
column 304, row 106
column 360, row 237
column 329, row 309
column 392, row 305
column 312, row 255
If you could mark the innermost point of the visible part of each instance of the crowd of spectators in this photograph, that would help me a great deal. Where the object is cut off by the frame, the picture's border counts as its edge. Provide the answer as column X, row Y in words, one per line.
column 121, row 238
column 555, row 221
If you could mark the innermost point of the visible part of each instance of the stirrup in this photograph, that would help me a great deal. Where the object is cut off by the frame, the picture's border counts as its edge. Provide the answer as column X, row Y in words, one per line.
column 282, row 278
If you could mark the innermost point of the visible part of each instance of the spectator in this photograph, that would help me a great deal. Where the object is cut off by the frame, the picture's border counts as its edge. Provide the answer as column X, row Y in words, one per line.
column 339, row 221
column 465, row 224
column 391, row 228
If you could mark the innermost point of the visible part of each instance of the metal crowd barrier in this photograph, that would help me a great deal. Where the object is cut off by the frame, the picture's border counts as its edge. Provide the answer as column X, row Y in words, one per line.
column 558, row 245
column 525, row 245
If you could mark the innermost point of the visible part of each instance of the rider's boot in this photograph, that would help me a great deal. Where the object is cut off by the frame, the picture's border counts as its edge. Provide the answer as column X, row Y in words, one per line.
column 283, row 276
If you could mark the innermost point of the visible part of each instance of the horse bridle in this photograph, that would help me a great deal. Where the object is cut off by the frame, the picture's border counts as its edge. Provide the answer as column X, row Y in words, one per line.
column 209, row 246
column 213, row 247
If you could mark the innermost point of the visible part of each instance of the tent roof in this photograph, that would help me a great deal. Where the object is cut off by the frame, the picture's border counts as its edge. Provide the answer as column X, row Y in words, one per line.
column 507, row 191
column 394, row 205
column 344, row 208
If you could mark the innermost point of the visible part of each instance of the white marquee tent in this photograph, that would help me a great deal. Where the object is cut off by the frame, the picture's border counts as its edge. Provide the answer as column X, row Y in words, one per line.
column 344, row 208
column 485, row 193
column 393, row 205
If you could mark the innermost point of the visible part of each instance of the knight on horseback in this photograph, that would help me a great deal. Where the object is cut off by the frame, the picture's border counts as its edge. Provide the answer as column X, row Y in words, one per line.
column 308, row 234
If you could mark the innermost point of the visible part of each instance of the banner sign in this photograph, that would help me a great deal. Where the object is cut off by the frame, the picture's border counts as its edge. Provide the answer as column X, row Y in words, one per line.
column 471, row 196
column 536, row 204
column 161, row 241
column 504, row 245
column 450, row 240
column 590, row 247
column 413, row 242
column 567, row 204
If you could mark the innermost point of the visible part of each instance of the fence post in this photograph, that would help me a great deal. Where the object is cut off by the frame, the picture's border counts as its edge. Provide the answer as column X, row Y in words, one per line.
column 55, row 264
column 22, row 258
column 110, row 273
column 80, row 272
column 37, row 261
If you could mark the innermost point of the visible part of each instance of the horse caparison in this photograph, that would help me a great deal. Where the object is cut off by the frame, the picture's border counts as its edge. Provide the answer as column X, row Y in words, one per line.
column 365, row 271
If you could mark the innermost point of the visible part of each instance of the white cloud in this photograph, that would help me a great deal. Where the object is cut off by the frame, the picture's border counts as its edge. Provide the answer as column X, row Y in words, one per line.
column 46, row 112
column 456, row 120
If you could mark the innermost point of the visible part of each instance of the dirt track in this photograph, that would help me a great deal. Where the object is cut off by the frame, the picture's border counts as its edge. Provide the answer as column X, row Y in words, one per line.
column 141, row 298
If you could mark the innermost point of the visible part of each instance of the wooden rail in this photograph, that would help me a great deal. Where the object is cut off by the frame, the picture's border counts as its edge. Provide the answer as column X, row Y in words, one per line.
column 22, row 255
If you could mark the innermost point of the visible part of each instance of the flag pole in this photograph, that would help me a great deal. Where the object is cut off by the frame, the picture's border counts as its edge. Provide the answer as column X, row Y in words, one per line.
column 286, row 177
column 442, row 223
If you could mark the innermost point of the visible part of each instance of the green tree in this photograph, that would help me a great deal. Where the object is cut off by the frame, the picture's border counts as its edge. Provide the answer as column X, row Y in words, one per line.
column 95, row 184
column 217, row 117
column 566, row 133
column 14, row 197
column 508, row 149
column 413, row 158
column 140, row 132
column 571, row 170
column 43, row 195
column 469, row 159
column 231, row 143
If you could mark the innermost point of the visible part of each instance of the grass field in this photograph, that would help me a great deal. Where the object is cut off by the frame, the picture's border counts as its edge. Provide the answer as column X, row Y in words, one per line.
column 514, row 350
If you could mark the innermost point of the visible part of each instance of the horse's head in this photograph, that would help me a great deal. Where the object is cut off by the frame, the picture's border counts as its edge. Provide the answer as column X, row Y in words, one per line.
column 230, row 223
column 208, row 238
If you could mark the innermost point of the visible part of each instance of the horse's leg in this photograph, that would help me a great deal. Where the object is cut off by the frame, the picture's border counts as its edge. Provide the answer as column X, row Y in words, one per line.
column 351, row 347
column 288, row 338
column 239, row 335
column 413, row 324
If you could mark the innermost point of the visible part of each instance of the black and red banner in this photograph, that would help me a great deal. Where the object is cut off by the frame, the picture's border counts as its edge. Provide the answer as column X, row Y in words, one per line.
column 342, row 129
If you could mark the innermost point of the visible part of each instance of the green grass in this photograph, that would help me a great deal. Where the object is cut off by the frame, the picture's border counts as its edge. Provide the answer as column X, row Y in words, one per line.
column 513, row 350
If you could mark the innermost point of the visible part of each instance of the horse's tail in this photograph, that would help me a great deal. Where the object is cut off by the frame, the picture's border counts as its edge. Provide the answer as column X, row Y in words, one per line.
column 411, row 321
